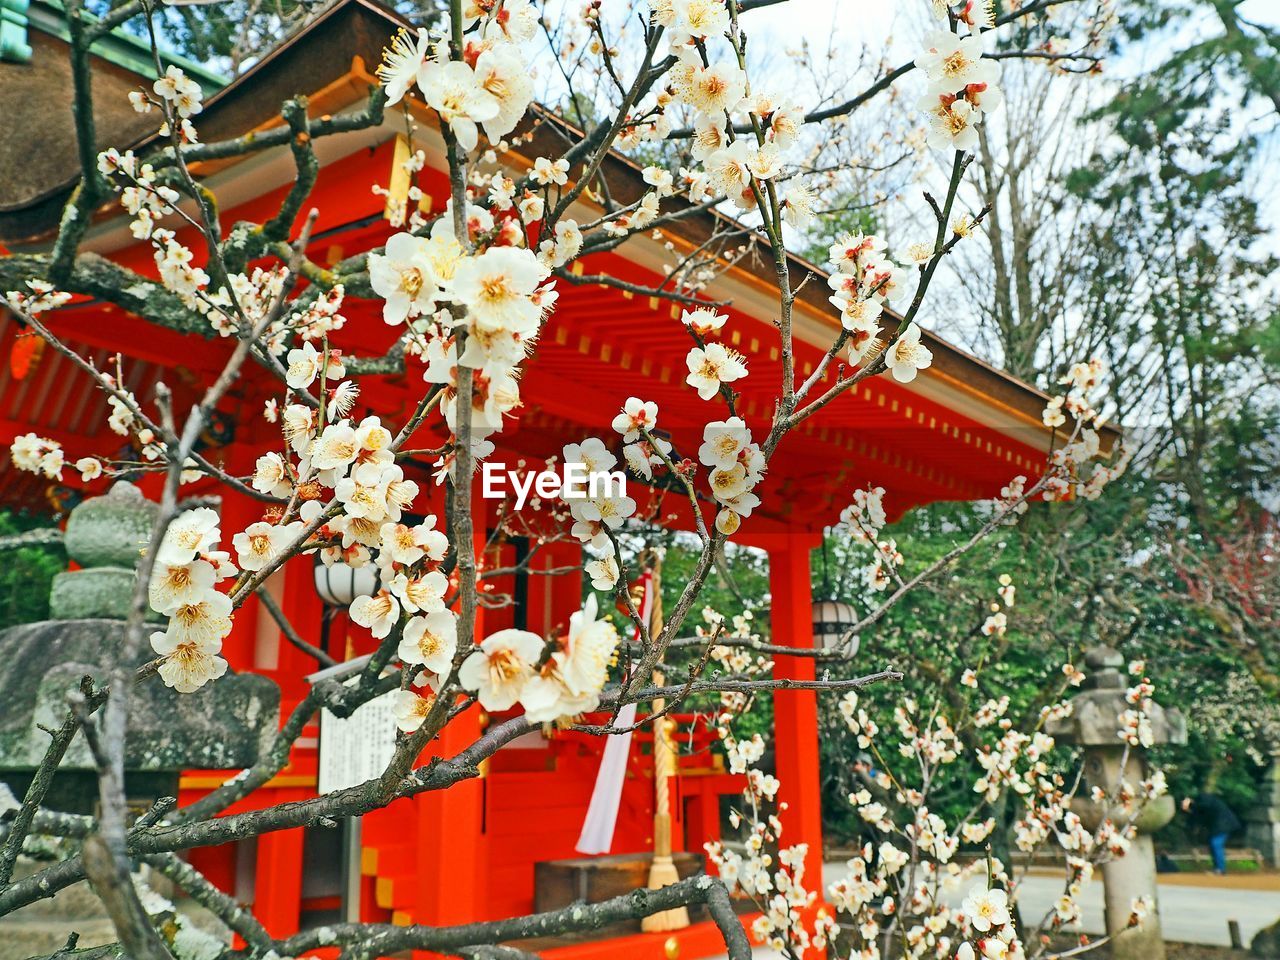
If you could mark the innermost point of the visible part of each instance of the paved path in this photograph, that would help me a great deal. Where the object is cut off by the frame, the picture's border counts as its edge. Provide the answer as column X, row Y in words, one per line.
column 1192, row 909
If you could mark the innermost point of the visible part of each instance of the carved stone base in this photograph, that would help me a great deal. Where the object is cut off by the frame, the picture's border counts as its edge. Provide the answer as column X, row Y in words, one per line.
column 224, row 725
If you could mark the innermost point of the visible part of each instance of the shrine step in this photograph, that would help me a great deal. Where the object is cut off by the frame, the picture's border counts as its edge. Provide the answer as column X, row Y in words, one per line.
column 389, row 860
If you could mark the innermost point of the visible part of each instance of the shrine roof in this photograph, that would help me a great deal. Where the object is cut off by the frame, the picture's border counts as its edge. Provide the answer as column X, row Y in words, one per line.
column 960, row 431
column 38, row 163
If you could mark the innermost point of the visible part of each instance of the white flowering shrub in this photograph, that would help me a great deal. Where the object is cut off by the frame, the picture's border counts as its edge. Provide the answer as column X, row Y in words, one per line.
column 922, row 885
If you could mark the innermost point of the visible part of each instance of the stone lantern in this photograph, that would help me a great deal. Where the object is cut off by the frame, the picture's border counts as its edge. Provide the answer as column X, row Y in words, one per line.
column 1262, row 822
column 1094, row 726
column 224, row 725
column 105, row 537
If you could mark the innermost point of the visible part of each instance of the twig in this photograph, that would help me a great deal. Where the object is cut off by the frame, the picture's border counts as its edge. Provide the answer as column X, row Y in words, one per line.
column 286, row 628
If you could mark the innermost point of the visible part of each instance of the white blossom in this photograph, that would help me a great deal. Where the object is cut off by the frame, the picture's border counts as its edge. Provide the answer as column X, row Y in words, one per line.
column 498, row 671
column 430, row 640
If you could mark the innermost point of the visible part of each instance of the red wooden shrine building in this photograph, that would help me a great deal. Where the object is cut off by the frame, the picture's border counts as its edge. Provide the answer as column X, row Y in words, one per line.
column 960, row 431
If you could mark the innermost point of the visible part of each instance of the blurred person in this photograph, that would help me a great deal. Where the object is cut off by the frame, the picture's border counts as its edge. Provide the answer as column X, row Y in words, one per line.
column 1210, row 813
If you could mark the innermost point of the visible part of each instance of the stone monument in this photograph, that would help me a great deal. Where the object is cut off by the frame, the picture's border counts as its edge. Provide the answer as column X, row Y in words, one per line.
column 1094, row 726
column 224, row 725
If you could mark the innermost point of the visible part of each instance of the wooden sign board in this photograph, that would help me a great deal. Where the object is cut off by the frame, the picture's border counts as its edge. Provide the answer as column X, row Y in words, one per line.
column 357, row 748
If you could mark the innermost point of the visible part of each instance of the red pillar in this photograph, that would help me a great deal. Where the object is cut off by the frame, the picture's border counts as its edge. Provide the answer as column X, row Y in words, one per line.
column 277, row 889
column 452, row 852
column 238, row 511
column 795, row 712
column 451, row 847
column 551, row 599
column 304, row 610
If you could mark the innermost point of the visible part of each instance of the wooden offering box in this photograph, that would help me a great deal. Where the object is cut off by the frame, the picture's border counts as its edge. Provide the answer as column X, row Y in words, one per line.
column 558, row 883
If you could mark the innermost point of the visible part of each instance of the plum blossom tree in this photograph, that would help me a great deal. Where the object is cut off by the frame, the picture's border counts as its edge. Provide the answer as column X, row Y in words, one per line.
column 468, row 292
column 909, row 889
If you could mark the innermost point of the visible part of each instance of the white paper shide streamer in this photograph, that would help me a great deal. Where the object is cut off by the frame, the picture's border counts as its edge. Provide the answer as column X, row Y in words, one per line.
column 606, row 797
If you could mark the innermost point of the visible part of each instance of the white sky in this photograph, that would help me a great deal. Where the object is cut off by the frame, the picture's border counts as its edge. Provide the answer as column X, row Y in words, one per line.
column 862, row 34
column 814, row 20
column 892, row 27
column 858, row 21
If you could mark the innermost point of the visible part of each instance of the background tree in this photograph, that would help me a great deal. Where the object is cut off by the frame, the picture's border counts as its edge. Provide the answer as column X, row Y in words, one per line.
column 1132, row 229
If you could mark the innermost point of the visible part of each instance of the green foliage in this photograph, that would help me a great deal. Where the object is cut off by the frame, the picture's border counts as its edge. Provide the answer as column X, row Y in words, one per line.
column 1181, row 268
column 733, row 587
column 738, row 586
column 26, row 573
column 1086, row 573
column 1207, row 55
column 848, row 213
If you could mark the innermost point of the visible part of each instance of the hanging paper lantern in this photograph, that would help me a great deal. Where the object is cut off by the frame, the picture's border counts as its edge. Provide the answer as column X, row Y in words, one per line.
column 832, row 620
column 25, row 354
